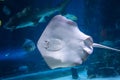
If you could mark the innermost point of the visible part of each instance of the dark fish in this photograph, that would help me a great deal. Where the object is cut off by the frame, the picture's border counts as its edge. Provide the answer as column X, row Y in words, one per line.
column 31, row 17
column 29, row 45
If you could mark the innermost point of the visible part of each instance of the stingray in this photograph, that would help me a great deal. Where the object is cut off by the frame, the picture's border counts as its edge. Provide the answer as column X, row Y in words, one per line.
column 62, row 44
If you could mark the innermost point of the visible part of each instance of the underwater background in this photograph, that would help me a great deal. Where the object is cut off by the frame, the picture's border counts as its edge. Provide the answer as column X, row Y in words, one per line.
column 19, row 54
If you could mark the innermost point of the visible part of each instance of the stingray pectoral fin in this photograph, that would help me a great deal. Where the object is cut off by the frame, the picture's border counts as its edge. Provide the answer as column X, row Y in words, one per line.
column 105, row 47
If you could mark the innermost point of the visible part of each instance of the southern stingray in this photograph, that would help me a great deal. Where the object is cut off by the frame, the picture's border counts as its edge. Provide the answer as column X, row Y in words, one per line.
column 62, row 44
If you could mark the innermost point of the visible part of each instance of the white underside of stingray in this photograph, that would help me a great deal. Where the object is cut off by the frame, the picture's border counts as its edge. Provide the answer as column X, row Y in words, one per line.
column 62, row 44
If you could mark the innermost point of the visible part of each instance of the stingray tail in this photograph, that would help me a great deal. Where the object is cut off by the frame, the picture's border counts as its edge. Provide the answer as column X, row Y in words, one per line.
column 105, row 47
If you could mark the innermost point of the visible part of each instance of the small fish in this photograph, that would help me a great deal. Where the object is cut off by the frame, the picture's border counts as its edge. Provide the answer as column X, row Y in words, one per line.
column 29, row 45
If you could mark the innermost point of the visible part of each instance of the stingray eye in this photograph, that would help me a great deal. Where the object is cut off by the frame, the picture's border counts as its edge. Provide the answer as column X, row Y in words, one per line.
column 46, row 44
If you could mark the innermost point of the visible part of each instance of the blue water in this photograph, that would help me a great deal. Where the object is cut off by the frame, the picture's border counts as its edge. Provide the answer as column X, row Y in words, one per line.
column 97, row 18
